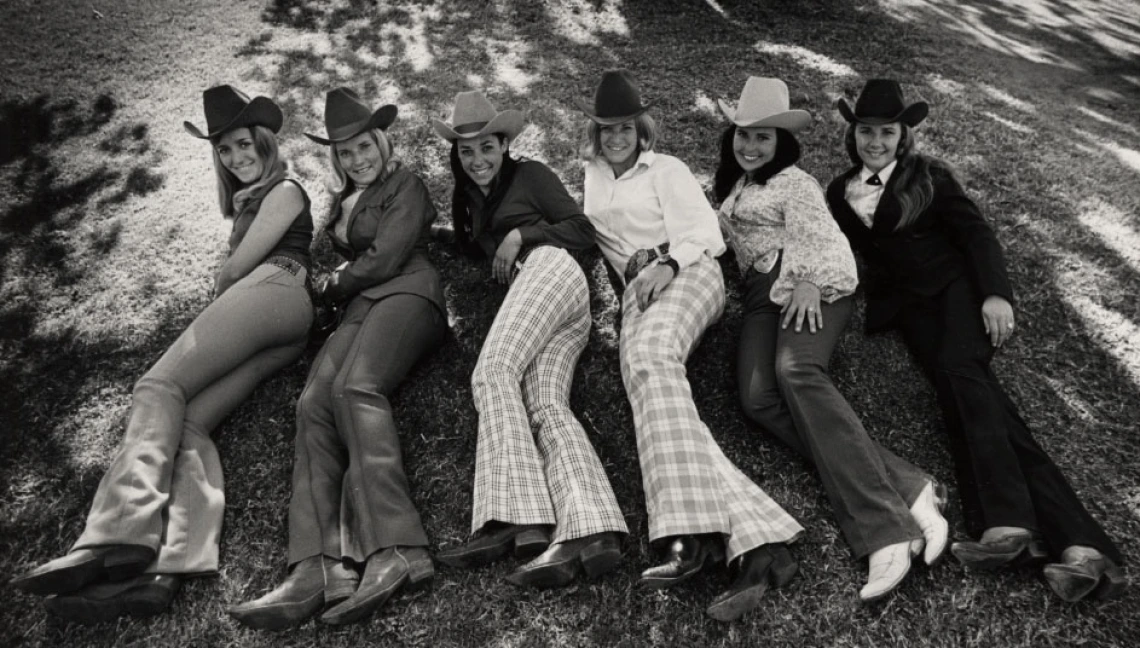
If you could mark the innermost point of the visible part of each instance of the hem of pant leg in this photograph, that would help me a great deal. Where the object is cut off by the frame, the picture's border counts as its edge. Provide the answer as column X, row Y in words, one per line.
column 565, row 536
column 870, row 547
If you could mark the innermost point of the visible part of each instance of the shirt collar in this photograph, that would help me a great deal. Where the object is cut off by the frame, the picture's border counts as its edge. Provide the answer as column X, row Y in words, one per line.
column 884, row 173
column 645, row 160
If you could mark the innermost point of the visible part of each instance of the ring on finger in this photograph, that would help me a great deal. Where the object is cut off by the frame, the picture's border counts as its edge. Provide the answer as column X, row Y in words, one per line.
column 1010, row 327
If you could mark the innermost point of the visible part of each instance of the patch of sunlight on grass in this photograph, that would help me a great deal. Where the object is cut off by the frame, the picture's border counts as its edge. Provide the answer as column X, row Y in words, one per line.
column 1128, row 157
column 1132, row 500
column 1004, row 97
column 723, row 14
column 532, row 143
column 971, row 22
column 1110, row 224
column 1108, row 121
column 414, row 37
column 507, row 57
column 583, row 22
column 703, row 103
column 1012, row 125
column 1083, row 410
column 807, row 58
column 944, row 85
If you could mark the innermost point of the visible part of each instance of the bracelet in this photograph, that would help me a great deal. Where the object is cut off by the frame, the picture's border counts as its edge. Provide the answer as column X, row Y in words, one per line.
column 672, row 263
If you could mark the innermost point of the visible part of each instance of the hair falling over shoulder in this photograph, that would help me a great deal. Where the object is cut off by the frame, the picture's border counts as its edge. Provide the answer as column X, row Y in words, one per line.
column 232, row 195
column 728, row 170
column 914, row 186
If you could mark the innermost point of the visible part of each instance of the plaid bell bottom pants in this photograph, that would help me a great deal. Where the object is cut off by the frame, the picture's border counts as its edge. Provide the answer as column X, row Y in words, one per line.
column 690, row 486
column 534, row 463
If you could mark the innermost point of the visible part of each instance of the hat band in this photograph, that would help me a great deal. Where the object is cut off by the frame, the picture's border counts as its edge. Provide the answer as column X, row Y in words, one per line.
column 345, row 132
column 473, row 127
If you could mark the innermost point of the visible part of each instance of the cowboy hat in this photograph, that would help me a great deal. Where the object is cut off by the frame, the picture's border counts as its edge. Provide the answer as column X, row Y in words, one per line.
column 881, row 102
column 616, row 99
column 347, row 116
column 764, row 102
column 228, row 108
column 474, row 116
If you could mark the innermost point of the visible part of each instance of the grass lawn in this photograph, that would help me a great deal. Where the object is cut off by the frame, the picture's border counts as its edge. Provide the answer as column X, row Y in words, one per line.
column 109, row 236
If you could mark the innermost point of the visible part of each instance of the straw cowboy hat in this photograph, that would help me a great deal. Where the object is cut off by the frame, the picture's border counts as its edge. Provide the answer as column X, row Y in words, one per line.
column 228, row 108
column 881, row 102
column 347, row 116
column 764, row 102
column 616, row 99
column 474, row 116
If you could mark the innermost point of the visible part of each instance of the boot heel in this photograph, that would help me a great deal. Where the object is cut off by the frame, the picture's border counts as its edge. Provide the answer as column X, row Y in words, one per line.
column 420, row 575
column 127, row 561
column 530, row 543
column 784, row 567
column 600, row 557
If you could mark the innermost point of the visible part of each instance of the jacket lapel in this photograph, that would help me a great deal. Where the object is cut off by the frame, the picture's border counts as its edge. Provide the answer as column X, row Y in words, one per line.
column 888, row 212
column 840, row 199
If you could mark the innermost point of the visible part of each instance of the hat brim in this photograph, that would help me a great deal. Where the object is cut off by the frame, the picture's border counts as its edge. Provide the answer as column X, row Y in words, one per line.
column 382, row 118
column 789, row 120
column 508, row 122
column 587, row 109
column 262, row 111
column 912, row 115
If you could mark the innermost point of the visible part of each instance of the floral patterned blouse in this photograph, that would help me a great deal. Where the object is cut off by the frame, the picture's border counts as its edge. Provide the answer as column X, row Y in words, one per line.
column 789, row 213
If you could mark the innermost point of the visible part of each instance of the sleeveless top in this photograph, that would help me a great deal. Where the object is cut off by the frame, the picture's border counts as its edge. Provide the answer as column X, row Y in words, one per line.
column 296, row 240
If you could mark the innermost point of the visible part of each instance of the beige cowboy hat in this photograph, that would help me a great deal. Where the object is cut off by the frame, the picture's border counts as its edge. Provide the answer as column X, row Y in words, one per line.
column 474, row 116
column 764, row 102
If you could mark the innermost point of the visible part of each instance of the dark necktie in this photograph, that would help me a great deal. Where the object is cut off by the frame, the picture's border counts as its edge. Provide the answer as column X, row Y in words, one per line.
column 874, row 180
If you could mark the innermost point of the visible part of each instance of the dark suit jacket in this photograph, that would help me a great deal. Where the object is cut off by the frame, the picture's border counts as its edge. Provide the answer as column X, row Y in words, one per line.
column 388, row 231
column 949, row 239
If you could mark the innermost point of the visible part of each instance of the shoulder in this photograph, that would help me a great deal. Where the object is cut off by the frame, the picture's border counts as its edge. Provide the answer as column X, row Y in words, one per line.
column 287, row 193
column 838, row 184
column 666, row 162
column 533, row 172
column 401, row 177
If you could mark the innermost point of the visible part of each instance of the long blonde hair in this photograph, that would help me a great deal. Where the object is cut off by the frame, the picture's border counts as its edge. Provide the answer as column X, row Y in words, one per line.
column 914, row 188
column 233, row 196
column 344, row 184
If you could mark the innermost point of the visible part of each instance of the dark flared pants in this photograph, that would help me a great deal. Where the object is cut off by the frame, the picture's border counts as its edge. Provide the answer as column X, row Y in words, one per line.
column 350, row 494
column 1004, row 477
column 785, row 388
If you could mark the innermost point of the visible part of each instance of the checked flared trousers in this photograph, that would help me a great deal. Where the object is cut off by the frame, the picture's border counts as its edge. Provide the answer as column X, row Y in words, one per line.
column 690, row 486
column 534, row 463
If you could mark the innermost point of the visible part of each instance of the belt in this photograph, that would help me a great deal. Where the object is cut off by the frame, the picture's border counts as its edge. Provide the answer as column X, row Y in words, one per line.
column 643, row 258
column 294, row 267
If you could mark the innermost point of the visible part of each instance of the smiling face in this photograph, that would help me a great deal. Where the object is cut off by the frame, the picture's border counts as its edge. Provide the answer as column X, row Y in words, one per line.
column 482, row 157
column 754, row 146
column 360, row 158
column 618, row 143
column 877, row 144
column 239, row 156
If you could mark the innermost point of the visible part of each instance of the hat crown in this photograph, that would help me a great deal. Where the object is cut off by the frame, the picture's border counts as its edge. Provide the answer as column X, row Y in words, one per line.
column 617, row 95
column 880, row 98
column 344, row 107
column 222, row 105
column 761, row 98
column 471, row 112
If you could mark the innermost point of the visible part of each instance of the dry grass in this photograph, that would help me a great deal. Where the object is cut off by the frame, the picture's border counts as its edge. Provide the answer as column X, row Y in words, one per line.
column 109, row 235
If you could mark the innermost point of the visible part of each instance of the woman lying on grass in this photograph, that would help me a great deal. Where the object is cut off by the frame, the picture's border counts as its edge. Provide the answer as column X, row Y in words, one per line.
column 351, row 503
column 157, row 514
column 799, row 275
column 535, row 469
column 936, row 271
column 659, row 234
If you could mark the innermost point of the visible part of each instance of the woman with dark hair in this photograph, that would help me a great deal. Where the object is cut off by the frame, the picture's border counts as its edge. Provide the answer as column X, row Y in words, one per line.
column 535, row 469
column 936, row 271
column 352, row 504
column 799, row 277
column 660, row 236
column 157, row 514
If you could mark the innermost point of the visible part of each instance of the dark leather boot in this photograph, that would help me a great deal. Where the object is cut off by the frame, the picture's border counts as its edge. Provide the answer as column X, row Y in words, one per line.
column 299, row 597
column 494, row 541
column 139, row 596
column 758, row 569
column 85, row 566
column 387, row 570
column 596, row 554
column 686, row 556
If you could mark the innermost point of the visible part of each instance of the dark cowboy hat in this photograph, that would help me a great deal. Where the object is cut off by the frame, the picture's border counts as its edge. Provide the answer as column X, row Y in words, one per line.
column 474, row 116
column 228, row 108
column 616, row 99
column 881, row 102
column 346, row 116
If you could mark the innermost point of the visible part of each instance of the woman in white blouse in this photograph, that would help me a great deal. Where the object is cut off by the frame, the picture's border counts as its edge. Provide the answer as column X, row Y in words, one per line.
column 658, row 232
column 799, row 275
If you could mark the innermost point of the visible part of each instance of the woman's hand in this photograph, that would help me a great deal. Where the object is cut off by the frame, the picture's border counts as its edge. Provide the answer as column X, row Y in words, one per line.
column 997, row 315
column 326, row 292
column 505, row 256
column 650, row 283
column 803, row 305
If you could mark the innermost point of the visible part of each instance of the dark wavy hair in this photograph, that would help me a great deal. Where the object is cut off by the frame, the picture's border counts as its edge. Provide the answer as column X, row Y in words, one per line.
column 460, row 214
column 914, row 186
column 729, row 170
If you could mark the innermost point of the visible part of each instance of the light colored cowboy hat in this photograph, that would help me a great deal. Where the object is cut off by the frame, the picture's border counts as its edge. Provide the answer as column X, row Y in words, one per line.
column 228, row 108
column 881, row 102
column 474, row 116
column 616, row 99
column 347, row 116
column 764, row 102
